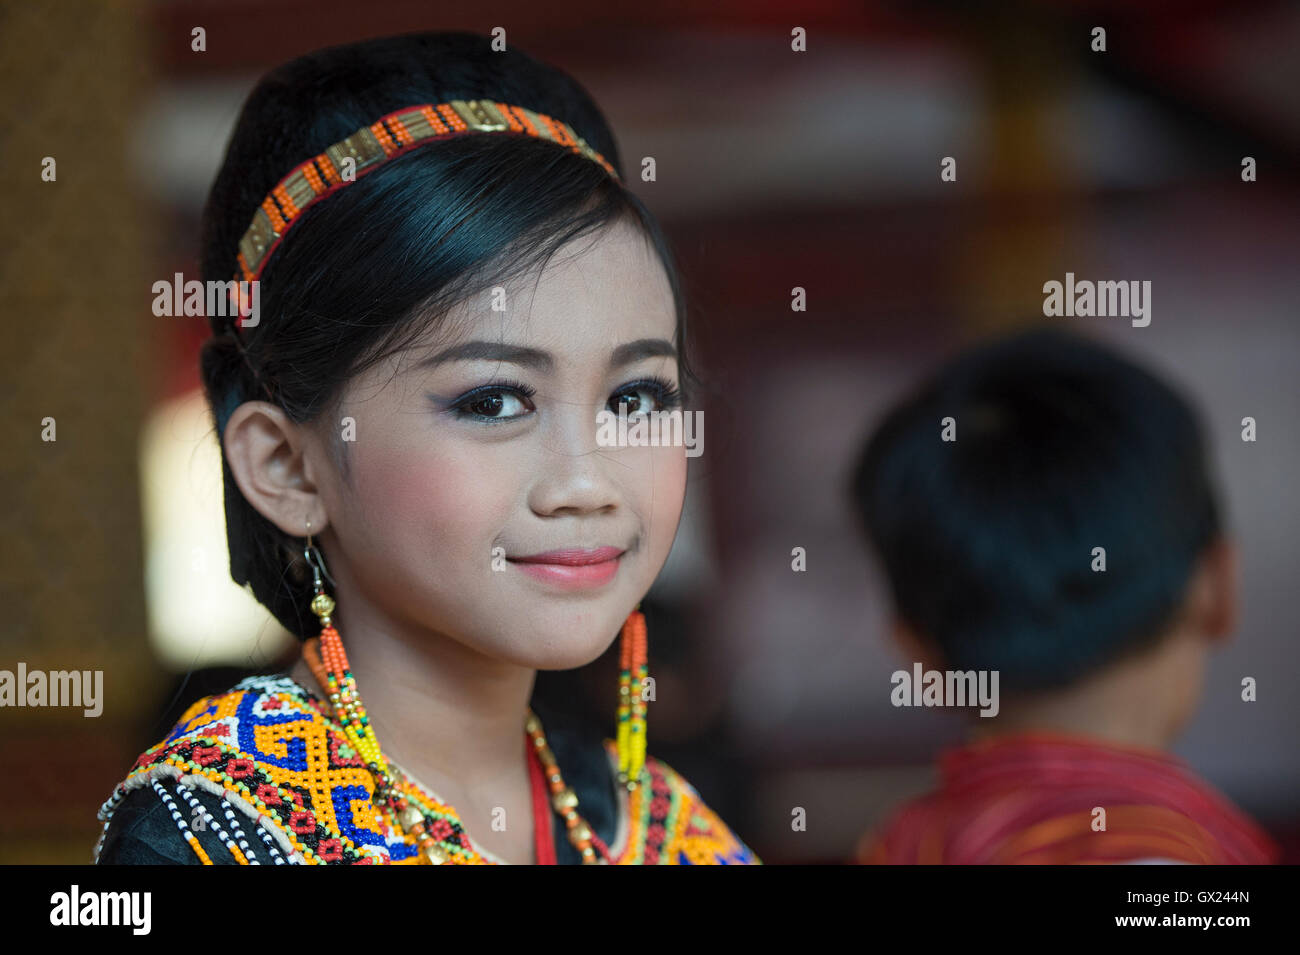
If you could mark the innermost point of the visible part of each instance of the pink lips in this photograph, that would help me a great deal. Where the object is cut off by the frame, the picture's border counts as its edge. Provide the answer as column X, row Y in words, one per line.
column 572, row 569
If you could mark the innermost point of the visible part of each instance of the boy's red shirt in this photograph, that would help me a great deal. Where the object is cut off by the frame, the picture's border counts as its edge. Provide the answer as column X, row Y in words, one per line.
column 1032, row 798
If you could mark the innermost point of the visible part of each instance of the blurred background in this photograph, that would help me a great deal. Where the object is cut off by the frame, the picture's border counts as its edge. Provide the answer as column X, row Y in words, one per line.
column 775, row 169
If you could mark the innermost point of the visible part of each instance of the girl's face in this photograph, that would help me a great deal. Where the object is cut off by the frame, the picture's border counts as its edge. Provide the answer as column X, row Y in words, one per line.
column 478, row 449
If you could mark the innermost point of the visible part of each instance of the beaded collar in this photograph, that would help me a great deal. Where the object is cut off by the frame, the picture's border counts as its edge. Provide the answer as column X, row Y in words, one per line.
column 269, row 750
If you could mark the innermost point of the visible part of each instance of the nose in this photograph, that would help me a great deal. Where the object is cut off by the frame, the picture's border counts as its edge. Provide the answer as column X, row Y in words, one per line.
column 575, row 475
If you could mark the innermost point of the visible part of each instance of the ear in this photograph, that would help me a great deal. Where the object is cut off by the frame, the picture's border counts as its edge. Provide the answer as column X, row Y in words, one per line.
column 267, row 454
column 913, row 646
column 1214, row 600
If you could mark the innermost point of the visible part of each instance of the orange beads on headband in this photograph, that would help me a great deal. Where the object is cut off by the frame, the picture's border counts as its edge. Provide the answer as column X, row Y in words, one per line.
column 371, row 146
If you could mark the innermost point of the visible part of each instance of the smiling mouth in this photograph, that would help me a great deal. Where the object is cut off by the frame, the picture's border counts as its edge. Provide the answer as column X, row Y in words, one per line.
column 572, row 569
column 573, row 557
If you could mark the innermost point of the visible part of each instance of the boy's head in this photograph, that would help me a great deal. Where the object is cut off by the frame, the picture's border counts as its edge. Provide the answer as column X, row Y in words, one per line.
column 996, row 494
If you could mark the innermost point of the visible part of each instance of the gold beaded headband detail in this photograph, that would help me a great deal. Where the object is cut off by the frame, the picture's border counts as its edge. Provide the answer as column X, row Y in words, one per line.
column 370, row 147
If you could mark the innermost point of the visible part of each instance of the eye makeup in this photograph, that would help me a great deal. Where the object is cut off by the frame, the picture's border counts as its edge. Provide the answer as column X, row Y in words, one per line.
column 486, row 403
column 479, row 403
column 666, row 395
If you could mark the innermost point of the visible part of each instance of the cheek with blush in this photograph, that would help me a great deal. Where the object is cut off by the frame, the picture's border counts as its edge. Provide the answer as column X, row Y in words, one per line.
column 662, row 499
column 435, row 512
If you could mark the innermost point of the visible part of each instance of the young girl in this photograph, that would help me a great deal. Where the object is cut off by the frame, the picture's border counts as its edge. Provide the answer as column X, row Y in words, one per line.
column 452, row 282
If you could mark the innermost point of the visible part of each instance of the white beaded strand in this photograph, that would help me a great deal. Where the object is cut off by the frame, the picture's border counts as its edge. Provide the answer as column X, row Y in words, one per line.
column 211, row 820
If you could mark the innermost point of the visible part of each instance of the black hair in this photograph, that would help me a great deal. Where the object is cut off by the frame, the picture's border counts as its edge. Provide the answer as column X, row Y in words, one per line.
column 987, row 541
column 364, row 271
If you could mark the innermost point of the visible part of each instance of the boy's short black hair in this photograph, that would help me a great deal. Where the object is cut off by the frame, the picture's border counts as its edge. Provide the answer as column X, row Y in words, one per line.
column 987, row 541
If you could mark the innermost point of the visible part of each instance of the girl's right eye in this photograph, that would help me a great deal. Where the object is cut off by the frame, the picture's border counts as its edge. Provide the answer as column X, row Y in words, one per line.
column 499, row 401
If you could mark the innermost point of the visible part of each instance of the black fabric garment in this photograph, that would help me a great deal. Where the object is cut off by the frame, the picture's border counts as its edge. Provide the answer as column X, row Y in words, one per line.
column 142, row 831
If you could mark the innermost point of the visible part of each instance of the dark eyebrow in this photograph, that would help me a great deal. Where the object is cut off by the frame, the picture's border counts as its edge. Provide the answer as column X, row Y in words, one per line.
column 491, row 351
column 641, row 348
column 543, row 360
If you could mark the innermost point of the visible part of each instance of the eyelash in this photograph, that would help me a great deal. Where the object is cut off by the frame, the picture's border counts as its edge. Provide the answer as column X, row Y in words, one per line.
column 461, row 405
column 665, row 393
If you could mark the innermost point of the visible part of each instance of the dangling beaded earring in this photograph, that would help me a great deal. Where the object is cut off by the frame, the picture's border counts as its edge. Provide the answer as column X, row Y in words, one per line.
column 327, row 649
column 631, row 707
column 329, row 664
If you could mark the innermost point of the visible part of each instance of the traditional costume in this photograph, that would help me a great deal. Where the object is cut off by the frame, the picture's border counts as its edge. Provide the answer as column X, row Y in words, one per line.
column 1032, row 798
column 269, row 772
column 262, row 775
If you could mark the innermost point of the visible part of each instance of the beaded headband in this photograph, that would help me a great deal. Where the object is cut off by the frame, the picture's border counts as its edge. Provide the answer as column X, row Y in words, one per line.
column 365, row 151
column 371, row 146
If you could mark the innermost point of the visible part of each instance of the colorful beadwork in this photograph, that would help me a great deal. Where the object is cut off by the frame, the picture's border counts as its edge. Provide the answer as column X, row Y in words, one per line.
column 631, row 706
column 372, row 146
column 269, row 748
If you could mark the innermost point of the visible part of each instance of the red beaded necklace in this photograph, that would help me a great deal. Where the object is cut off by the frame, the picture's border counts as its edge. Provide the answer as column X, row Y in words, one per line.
column 543, row 835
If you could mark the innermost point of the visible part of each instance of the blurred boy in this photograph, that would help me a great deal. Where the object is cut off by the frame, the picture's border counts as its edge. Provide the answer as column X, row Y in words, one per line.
column 1060, row 529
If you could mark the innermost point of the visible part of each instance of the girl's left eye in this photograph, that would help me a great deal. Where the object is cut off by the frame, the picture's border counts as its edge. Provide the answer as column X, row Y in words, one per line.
column 511, row 400
column 640, row 397
column 502, row 401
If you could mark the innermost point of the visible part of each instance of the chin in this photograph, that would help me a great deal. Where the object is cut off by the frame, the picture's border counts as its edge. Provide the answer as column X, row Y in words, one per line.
column 549, row 635
column 567, row 651
column 565, row 643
